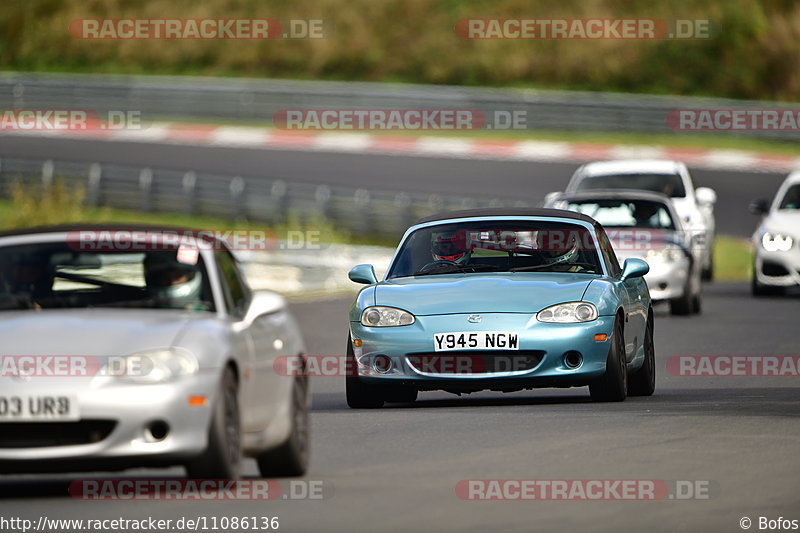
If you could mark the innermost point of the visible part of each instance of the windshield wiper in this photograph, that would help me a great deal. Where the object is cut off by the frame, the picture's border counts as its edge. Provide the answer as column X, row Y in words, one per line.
column 450, row 269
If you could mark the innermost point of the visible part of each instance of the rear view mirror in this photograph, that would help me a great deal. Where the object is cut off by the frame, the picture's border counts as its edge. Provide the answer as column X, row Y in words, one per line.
column 759, row 206
column 363, row 274
column 634, row 268
column 264, row 303
column 705, row 196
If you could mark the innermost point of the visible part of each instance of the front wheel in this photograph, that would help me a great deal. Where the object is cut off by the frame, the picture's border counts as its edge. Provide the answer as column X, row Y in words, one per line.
column 360, row 395
column 613, row 386
column 291, row 457
column 643, row 381
column 222, row 457
column 708, row 271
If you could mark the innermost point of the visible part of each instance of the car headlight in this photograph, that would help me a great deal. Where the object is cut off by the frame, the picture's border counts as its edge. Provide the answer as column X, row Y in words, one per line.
column 156, row 366
column 776, row 242
column 380, row 317
column 669, row 254
column 568, row 313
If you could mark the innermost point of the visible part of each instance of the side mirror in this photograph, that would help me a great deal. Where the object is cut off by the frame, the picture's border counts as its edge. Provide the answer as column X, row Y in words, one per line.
column 550, row 198
column 759, row 206
column 705, row 196
column 634, row 268
column 264, row 303
column 363, row 274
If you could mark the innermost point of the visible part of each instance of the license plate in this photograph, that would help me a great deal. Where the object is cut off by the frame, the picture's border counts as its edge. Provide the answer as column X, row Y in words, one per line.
column 476, row 340
column 38, row 408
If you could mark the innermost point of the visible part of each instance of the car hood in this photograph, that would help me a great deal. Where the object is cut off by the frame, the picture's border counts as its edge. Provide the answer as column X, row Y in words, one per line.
column 520, row 292
column 100, row 332
column 787, row 222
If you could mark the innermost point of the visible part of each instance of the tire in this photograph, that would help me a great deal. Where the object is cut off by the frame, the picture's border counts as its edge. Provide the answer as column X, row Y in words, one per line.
column 291, row 457
column 764, row 290
column 401, row 394
column 682, row 305
column 222, row 458
column 613, row 386
column 643, row 381
column 360, row 395
column 708, row 271
column 697, row 304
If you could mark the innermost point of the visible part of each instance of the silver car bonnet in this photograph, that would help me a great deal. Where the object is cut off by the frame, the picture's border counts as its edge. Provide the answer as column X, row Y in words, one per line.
column 100, row 332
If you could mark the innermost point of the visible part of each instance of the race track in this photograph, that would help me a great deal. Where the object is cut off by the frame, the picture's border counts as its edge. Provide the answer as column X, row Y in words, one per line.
column 434, row 174
column 396, row 469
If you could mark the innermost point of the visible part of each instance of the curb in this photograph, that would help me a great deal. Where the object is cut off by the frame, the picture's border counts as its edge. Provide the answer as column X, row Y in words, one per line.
column 426, row 146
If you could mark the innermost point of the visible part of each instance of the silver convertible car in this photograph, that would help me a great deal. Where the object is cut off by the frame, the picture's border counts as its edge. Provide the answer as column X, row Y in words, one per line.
column 137, row 346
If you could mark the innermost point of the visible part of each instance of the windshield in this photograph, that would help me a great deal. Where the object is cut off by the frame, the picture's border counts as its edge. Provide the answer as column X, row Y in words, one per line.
column 791, row 200
column 513, row 246
column 56, row 275
column 668, row 184
column 625, row 213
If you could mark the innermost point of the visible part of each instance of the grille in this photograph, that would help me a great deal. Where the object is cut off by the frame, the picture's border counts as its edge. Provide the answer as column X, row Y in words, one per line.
column 466, row 363
column 42, row 434
column 773, row 269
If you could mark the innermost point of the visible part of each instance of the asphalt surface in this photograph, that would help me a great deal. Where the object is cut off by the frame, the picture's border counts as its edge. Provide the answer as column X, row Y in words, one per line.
column 396, row 469
column 441, row 175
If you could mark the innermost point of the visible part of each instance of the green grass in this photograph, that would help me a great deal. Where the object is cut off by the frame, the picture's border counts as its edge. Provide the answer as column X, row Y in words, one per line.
column 31, row 206
column 733, row 259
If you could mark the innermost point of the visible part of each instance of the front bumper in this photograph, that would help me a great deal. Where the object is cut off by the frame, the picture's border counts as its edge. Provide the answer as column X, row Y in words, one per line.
column 131, row 409
column 778, row 269
column 667, row 280
column 539, row 361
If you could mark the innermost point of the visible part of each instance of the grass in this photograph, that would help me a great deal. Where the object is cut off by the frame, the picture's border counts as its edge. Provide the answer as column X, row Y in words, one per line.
column 733, row 259
column 32, row 206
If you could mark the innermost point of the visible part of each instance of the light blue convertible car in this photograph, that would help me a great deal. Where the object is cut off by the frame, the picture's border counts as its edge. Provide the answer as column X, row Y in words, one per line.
column 504, row 300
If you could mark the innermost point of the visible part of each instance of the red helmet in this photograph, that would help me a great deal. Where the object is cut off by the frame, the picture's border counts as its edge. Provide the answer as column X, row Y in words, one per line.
column 445, row 247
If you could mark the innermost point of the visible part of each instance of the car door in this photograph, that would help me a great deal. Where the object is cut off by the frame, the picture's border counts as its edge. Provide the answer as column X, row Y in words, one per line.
column 261, row 394
column 630, row 293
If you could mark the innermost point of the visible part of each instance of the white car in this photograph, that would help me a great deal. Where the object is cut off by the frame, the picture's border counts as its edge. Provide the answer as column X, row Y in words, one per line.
column 777, row 256
column 695, row 207
column 644, row 225
column 143, row 349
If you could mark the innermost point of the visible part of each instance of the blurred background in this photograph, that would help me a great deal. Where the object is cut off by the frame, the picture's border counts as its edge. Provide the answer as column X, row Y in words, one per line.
column 204, row 150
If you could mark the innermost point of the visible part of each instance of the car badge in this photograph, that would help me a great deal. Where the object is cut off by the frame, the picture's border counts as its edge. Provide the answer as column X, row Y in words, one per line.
column 474, row 319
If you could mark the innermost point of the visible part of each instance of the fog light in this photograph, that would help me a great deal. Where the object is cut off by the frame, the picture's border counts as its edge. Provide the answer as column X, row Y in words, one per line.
column 156, row 431
column 382, row 364
column 573, row 359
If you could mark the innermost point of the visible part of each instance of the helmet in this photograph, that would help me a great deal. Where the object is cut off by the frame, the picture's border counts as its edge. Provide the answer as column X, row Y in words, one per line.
column 170, row 280
column 445, row 247
column 558, row 246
